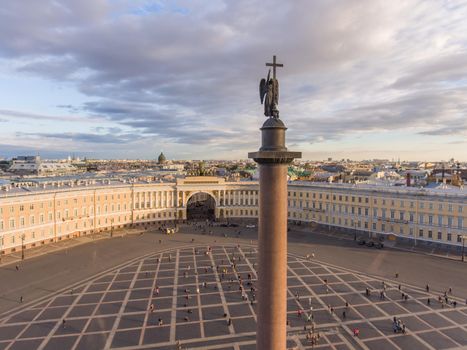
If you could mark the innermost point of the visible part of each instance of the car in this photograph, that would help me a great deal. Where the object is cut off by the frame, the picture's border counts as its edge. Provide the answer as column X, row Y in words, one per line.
column 361, row 242
column 250, row 226
column 370, row 244
column 233, row 225
column 224, row 225
column 379, row 245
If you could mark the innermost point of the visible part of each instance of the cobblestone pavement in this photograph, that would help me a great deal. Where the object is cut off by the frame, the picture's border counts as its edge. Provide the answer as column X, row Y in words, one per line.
column 114, row 310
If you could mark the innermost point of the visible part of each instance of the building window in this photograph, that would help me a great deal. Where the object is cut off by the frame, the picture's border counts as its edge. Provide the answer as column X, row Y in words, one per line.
column 459, row 238
column 420, row 233
column 430, row 234
column 449, row 237
column 449, row 221
column 440, row 235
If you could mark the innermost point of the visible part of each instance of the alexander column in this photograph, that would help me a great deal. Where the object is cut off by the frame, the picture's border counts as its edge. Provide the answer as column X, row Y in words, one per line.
column 273, row 159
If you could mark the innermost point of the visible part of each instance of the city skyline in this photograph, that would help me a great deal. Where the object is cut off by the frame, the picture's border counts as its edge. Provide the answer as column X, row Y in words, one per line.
column 127, row 79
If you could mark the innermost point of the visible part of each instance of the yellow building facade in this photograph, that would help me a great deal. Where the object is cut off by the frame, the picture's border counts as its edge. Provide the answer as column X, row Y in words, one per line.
column 36, row 214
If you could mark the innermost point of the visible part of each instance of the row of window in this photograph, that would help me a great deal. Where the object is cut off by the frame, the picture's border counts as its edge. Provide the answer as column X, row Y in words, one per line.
column 32, row 206
column 383, row 201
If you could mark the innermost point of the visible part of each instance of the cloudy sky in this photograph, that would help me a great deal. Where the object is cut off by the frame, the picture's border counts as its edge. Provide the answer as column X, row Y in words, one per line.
column 128, row 78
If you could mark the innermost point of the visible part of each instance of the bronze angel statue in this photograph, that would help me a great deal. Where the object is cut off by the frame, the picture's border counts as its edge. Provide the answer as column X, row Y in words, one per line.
column 269, row 96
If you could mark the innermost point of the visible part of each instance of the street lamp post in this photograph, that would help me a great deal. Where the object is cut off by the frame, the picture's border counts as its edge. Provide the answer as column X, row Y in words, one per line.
column 355, row 230
column 463, row 247
column 1, row 248
column 22, row 246
column 112, row 227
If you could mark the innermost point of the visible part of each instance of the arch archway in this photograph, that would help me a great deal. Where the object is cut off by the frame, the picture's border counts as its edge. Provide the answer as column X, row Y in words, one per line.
column 201, row 206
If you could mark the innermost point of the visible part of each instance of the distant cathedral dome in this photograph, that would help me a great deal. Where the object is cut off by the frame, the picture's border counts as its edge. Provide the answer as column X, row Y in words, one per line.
column 161, row 159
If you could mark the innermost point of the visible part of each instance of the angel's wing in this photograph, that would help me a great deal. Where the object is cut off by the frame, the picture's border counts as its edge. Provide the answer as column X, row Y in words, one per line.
column 262, row 89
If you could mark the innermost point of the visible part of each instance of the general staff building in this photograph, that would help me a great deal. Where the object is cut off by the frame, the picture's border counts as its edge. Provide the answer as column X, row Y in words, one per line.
column 37, row 213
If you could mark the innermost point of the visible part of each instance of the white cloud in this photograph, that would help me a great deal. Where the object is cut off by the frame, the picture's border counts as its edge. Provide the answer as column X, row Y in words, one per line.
column 186, row 72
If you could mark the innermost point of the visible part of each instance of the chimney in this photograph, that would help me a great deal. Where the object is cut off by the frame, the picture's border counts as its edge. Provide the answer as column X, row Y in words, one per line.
column 407, row 179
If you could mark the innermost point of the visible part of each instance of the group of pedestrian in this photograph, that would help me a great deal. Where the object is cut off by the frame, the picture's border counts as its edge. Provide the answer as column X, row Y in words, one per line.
column 313, row 338
column 398, row 326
